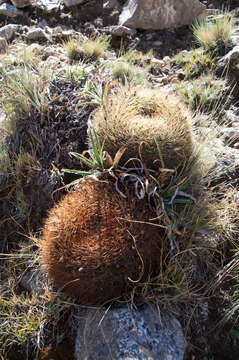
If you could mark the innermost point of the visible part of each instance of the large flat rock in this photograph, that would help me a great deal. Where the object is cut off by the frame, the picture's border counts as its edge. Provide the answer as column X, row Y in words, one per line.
column 160, row 14
column 125, row 333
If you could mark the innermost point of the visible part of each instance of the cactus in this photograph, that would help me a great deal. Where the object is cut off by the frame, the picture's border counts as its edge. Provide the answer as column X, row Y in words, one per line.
column 152, row 125
column 93, row 248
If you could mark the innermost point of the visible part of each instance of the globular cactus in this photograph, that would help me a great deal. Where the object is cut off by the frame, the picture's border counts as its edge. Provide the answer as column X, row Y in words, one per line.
column 96, row 244
column 145, row 120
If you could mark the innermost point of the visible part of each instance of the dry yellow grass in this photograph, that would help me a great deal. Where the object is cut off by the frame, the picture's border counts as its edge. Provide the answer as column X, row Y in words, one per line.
column 128, row 72
column 209, row 34
column 94, row 49
column 72, row 48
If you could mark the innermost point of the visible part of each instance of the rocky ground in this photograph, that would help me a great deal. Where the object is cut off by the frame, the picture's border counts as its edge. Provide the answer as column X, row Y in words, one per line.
column 60, row 86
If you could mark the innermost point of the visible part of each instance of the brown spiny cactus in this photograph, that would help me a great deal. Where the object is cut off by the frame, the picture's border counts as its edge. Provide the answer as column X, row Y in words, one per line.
column 146, row 120
column 95, row 244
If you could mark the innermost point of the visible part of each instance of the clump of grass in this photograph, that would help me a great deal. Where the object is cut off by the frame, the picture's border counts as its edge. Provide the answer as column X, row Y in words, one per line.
column 195, row 62
column 135, row 57
column 5, row 162
column 88, row 50
column 204, row 94
column 210, row 34
column 96, row 92
column 122, row 70
column 26, row 166
column 29, row 56
column 127, row 72
column 93, row 49
column 76, row 73
column 29, row 321
column 24, row 90
column 24, row 56
column 73, row 50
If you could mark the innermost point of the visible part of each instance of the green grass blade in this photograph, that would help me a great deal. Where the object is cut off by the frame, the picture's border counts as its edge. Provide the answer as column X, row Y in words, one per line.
column 87, row 162
column 77, row 172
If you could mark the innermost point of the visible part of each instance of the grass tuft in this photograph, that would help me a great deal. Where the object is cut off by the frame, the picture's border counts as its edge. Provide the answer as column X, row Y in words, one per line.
column 210, row 34
column 128, row 73
column 94, row 49
column 195, row 62
column 72, row 48
column 205, row 93
column 23, row 90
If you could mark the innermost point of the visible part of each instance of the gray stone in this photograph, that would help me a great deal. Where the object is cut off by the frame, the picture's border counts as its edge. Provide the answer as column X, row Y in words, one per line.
column 10, row 10
column 42, row 24
column 126, row 333
column 231, row 117
column 9, row 30
column 110, row 4
column 21, row 3
column 47, row 5
column 122, row 30
column 157, row 43
column 33, row 281
column 226, row 167
column 3, row 45
column 230, row 134
column 235, row 36
column 232, row 55
column 36, row 34
column 160, row 14
column 235, row 39
column 70, row 3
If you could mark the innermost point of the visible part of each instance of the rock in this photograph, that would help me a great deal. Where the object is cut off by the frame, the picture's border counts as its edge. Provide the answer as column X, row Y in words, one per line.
column 70, row 3
column 36, row 48
column 232, row 118
column 52, row 51
column 3, row 45
column 232, row 55
column 52, row 61
column 122, row 30
column 127, row 333
column 21, row 3
column 36, row 34
column 226, row 168
column 235, row 36
column 47, row 5
column 33, row 281
column 59, row 32
column 235, row 12
column 9, row 30
column 42, row 24
column 157, row 43
column 157, row 61
column 230, row 135
column 160, row 14
column 235, row 39
column 110, row 4
column 212, row 12
column 10, row 10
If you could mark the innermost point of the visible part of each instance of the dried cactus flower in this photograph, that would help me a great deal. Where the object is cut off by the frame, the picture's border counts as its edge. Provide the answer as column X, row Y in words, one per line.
column 93, row 247
column 146, row 121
